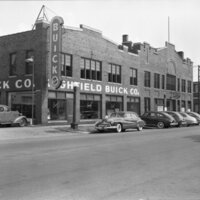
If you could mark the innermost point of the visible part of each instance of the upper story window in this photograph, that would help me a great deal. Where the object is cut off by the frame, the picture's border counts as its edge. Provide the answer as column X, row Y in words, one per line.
column 171, row 82
column 183, row 85
column 156, row 80
column 178, row 86
column 196, row 88
column 13, row 67
column 114, row 73
column 189, row 87
column 29, row 65
column 133, row 76
column 66, row 62
column 147, row 79
column 90, row 69
column 163, row 82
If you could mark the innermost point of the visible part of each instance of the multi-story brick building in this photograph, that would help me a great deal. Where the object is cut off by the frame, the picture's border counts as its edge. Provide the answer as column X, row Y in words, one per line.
column 130, row 76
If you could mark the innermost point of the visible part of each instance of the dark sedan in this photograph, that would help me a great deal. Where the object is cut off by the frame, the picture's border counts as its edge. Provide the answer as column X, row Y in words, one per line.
column 159, row 119
column 120, row 121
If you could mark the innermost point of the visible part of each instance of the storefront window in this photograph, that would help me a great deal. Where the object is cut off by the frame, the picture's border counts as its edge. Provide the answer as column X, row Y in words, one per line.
column 57, row 105
column 133, row 104
column 57, row 109
column 113, row 104
column 159, row 104
column 182, row 106
column 90, row 106
column 21, row 101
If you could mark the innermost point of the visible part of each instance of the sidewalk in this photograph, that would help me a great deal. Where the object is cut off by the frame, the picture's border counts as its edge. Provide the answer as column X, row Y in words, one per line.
column 37, row 131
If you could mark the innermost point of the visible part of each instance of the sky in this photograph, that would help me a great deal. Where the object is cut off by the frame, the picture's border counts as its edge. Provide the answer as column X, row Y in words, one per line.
column 143, row 20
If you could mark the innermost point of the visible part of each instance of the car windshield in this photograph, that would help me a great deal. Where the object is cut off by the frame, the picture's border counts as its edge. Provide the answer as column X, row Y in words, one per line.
column 184, row 114
column 117, row 115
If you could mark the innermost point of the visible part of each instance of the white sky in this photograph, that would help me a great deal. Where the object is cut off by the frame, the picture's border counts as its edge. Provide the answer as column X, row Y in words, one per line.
column 142, row 20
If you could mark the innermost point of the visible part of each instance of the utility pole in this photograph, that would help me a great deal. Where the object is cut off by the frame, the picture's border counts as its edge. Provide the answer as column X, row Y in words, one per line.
column 198, row 88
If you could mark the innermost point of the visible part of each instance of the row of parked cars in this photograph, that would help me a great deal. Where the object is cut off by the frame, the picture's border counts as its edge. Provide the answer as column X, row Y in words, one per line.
column 120, row 121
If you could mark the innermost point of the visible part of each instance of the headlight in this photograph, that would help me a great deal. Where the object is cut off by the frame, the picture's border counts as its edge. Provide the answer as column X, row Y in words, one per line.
column 97, row 122
column 112, row 123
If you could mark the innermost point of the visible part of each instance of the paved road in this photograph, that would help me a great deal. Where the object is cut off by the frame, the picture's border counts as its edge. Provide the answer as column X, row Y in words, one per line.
column 149, row 165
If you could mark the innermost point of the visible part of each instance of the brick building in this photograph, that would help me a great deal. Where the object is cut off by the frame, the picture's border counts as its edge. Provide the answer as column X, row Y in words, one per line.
column 129, row 76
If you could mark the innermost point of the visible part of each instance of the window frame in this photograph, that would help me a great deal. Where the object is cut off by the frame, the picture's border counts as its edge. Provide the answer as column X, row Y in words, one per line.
column 156, row 80
column 90, row 71
column 133, row 79
column 147, row 79
column 66, row 69
column 13, row 66
column 171, row 82
column 114, row 73
column 29, row 65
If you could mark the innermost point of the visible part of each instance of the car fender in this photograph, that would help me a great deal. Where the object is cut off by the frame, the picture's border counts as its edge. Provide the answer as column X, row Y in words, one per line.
column 17, row 120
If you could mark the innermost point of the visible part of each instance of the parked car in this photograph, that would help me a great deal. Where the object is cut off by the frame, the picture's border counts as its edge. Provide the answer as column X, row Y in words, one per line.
column 120, row 121
column 195, row 115
column 189, row 119
column 178, row 117
column 158, row 119
column 9, row 117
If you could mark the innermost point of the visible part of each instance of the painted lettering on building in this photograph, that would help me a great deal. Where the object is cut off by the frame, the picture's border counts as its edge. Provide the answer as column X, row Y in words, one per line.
column 99, row 88
column 22, row 83
column 55, row 51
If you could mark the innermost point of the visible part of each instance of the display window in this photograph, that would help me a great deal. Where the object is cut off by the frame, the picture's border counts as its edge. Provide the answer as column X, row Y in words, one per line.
column 59, row 105
column 90, row 106
column 133, row 104
column 21, row 101
column 113, row 104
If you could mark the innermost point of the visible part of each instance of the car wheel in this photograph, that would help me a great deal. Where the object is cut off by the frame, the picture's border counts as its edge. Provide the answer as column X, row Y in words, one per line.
column 22, row 122
column 160, row 125
column 139, row 128
column 119, row 128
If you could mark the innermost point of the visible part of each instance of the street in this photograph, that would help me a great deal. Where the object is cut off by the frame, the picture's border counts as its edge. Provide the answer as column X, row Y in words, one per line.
column 149, row 165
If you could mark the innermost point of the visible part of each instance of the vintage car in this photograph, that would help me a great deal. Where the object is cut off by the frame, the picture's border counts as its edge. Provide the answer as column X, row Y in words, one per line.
column 178, row 117
column 158, row 119
column 189, row 119
column 195, row 115
column 120, row 121
column 8, row 117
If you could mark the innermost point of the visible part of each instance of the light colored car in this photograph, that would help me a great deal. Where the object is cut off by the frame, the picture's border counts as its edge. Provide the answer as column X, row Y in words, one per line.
column 189, row 119
column 8, row 117
column 195, row 115
column 120, row 121
column 178, row 117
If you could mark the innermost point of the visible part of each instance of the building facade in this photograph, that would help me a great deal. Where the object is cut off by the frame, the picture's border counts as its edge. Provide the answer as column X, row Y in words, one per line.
column 108, row 76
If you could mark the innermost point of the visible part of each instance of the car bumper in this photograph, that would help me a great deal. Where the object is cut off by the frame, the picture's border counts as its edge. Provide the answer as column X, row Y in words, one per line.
column 105, row 127
column 174, row 124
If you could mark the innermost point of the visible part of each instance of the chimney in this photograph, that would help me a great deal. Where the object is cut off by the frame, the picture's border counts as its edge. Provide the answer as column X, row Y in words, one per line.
column 181, row 54
column 124, row 38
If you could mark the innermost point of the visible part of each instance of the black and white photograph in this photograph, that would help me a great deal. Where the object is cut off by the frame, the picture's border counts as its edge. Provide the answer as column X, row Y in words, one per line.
column 100, row 100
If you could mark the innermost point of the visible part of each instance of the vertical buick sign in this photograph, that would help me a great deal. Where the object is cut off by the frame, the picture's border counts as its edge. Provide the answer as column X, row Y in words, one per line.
column 55, row 51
